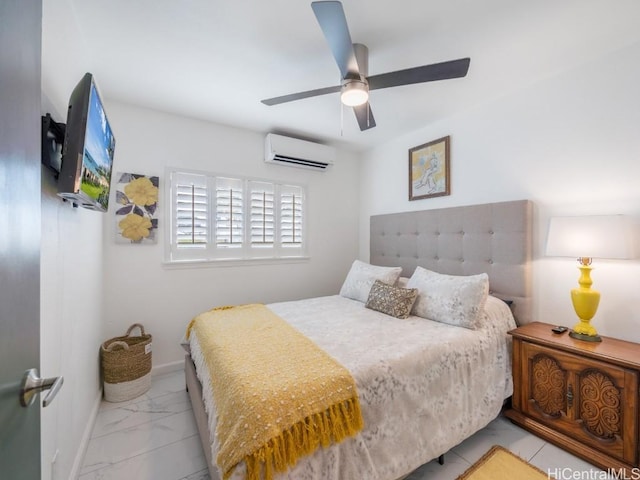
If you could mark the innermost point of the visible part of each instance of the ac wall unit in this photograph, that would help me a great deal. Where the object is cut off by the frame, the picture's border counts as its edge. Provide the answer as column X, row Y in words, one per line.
column 297, row 153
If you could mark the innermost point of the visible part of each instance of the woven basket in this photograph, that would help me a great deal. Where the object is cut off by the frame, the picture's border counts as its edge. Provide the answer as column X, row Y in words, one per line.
column 126, row 365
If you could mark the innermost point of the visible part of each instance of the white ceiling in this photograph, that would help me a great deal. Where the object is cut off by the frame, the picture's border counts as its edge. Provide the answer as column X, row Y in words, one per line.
column 216, row 59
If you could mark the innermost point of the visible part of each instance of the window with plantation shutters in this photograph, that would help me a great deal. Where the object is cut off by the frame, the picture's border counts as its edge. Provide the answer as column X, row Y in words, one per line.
column 220, row 218
column 262, row 214
column 229, row 219
column 190, row 211
column 291, row 206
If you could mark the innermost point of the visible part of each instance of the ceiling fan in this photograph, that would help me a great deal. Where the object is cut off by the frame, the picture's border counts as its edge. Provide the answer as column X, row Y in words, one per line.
column 353, row 62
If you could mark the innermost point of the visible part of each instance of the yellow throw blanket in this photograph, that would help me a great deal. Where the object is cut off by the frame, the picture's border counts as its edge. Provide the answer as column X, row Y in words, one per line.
column 278, row 396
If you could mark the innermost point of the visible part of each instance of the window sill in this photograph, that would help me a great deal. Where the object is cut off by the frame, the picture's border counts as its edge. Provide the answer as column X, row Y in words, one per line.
column 231, row 262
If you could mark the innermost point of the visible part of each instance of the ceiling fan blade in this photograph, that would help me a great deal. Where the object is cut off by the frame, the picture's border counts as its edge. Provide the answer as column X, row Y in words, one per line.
column 426, row 73
column 300, row 95
column 330, row 16
column 365, row 116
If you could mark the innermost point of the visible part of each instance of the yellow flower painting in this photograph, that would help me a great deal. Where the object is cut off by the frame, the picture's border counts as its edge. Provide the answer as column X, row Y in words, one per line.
column 134, row 227
column 141, row 191
column 137, row 200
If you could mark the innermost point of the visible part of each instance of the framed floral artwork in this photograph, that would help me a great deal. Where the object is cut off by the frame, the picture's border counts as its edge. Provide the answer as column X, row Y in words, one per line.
column 429, row 170
column 136, row 205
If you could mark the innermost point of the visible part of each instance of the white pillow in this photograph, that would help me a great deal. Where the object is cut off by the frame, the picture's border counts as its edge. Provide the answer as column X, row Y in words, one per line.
column 455, row 300
column 362, row 276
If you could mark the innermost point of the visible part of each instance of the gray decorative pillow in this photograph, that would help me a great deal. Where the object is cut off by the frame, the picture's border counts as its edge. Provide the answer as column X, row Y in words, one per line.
column 394, row 301
column 452, row 299
column 361, row 277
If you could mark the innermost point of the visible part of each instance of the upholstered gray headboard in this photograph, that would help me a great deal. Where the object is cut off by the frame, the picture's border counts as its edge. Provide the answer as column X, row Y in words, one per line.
column 494, row 238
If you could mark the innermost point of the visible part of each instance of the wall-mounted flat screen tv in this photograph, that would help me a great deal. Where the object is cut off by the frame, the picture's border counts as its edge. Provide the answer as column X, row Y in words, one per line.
column 87, row 152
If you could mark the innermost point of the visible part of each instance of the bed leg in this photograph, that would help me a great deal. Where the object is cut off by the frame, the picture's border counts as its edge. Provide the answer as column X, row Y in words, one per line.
column 186, row 387
column 441, row 459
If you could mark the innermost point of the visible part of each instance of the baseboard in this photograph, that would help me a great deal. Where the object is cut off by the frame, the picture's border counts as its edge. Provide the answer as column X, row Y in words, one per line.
column 86, row 436
column 167, row 368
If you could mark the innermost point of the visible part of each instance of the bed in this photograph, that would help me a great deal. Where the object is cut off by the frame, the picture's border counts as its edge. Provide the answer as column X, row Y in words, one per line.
column 424, row 385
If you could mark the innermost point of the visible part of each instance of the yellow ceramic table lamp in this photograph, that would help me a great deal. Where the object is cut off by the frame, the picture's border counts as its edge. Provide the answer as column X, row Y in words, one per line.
column 588, row 237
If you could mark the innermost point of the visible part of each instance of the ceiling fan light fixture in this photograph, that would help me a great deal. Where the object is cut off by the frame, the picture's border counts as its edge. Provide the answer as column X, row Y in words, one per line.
column 352, row 60
column 354, row 93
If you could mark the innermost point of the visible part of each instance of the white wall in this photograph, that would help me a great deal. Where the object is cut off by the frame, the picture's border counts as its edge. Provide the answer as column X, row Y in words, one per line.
column 71, row 275
column 70, row 326
column 140, row 289
column 570, row 144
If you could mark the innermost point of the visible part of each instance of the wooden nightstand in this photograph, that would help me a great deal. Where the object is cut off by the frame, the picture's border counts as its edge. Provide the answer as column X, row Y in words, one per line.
column 581, row 396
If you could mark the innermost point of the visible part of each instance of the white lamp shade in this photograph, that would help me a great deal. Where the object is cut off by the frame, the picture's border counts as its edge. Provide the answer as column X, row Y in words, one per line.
column 594, row 236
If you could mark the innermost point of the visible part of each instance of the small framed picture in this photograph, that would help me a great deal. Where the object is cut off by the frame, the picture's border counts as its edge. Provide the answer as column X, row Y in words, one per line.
column 429, row 170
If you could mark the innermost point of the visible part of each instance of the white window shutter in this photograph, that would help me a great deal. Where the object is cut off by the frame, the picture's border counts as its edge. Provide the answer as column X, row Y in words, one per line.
column 291, row 216
column 216, row 218
column 191, row 206
column 262, row 214
column 229, row 219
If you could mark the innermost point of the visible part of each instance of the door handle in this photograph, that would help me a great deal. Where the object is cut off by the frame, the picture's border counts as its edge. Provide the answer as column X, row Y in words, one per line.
column 32, row 384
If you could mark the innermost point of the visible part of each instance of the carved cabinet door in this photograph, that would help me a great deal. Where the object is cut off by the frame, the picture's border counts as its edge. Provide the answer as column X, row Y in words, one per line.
column 589, row 400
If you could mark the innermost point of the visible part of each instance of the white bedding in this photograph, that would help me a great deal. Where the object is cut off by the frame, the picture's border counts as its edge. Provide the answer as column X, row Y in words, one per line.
column 424, row 386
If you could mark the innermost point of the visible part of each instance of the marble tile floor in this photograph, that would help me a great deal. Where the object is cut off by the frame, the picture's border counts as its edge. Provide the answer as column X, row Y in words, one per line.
column 154, row 437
